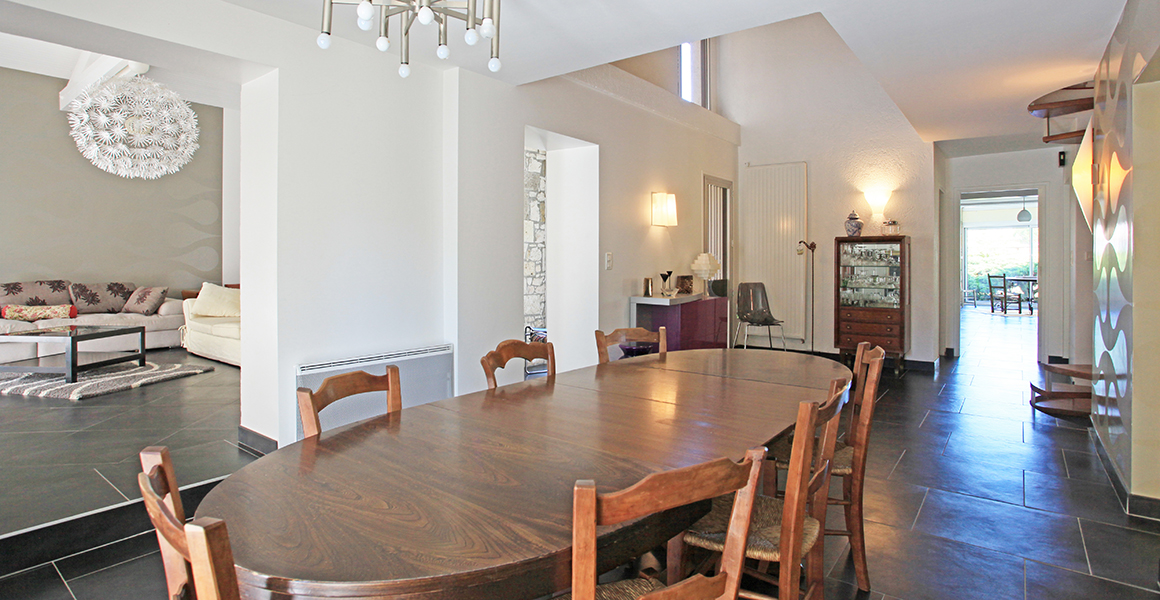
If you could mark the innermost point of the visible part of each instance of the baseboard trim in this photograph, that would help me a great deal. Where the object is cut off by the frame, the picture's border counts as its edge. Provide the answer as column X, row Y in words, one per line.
column 1113, row 474
column 255, row 442
column 23, row 550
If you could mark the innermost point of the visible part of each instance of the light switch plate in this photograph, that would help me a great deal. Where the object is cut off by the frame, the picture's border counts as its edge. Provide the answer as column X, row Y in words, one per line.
column 607, row 261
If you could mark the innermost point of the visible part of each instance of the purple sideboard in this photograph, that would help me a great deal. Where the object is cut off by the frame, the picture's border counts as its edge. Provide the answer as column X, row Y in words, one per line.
column 689, row 323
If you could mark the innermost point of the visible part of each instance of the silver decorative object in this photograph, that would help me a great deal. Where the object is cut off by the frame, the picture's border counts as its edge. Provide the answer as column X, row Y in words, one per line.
column 135, row 128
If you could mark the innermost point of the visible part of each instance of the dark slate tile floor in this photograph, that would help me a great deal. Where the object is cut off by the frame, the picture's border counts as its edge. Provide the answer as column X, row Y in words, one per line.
column 63, row 458
column 962, row 501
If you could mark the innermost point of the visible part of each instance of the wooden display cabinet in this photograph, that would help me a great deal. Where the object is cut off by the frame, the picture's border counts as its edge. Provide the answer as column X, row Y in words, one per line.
column 872, row 294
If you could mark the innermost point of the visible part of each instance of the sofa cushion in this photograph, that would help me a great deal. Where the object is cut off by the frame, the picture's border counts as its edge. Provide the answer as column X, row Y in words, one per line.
column 150, row 323
column 35, row 293
column 16, row 312
column 231, row 329
column 7, row 326
column 100, row 297
column 145, row 300
column 214, row 325
column 171, row 306
column 217, row 301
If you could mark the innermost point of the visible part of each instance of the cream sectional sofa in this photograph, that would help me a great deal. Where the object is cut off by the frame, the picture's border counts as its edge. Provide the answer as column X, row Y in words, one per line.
column 218, row 334
column 161, row 328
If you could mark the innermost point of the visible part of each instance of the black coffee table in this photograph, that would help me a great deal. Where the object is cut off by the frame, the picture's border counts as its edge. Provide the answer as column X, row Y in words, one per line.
column 73, row 361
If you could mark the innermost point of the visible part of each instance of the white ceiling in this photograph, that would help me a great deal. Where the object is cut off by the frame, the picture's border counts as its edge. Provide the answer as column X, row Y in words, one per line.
column 957, row 70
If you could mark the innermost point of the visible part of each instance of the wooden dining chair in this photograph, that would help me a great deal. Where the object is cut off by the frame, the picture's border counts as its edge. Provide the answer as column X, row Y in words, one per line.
column 509, row 349
column 337, row 387
column 1001, row 293
column 197, row 557
column 659, row 492
column 634, row 334
column 850, row 455
column 789, row 529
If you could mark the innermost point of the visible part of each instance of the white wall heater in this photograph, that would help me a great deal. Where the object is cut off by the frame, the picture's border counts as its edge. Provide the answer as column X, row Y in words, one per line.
column 771, row 217
column 425, row 375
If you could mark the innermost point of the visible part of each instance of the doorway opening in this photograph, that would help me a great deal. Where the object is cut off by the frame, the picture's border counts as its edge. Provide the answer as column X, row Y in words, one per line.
column 999, row 276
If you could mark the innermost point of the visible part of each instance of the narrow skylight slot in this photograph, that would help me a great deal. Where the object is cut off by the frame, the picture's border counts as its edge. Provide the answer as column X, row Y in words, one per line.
column 687, row 72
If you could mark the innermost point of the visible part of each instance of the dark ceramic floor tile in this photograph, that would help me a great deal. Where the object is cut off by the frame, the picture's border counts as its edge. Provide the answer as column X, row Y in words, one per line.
column 974, row 425
column 225, row 417
column 1004, row 410
column 890, row 502
column 1050, row 538
column 907, row 437
column 1123, row 555
column 194, row 464
column 1010, row 454
column 65, row 419
column 200, row 395
column 107, row 556
column 840, row 590
column 1059, row 437
column 142, row 577
column 1085, row 466
column 914, row 565
column 1078, row 498
column 992, row 373
column 953, row 474
column 155, row 418
column 30, row 496
column 91, row 447
column 41, row 583
column 1049, row 583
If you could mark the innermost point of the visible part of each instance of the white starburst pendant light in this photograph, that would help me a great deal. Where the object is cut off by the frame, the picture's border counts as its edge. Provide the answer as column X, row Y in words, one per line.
column 425, row 12
column 135, row 128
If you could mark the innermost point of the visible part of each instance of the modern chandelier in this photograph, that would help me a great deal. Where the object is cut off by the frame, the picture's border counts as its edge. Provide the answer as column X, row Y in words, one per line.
column 135, row 128
column 425, row 12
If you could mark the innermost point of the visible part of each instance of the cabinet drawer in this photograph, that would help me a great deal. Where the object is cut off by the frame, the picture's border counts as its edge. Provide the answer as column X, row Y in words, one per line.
column 889, row 344
column 870, row 315
column 877, row 329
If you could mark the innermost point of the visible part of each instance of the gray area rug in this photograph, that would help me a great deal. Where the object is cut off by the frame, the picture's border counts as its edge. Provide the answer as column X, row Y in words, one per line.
column 105, row 380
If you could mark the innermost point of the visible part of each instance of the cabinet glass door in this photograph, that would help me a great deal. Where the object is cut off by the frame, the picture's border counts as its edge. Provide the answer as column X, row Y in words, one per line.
column 871, row 275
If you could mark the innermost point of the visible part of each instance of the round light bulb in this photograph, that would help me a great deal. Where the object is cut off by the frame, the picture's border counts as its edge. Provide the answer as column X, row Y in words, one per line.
column 324, row 40
column 383, row 44
column 494, row 65
column 365, row 24
column 442, row 51
column 404, row 70
column 471, row 37
column 426, row 15
column 365, row 10
column 487, row 28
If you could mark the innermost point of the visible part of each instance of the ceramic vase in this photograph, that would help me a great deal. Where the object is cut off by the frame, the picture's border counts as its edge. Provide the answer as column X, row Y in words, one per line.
column 853, row 225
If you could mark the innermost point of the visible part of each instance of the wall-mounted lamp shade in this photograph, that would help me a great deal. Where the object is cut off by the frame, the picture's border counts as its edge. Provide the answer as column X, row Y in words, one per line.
column 664, row 209
column 1081, row 176
column 877, row 200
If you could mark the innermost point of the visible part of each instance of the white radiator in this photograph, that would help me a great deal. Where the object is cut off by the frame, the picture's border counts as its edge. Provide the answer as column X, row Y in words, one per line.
column 425, row 375
column 771, row 216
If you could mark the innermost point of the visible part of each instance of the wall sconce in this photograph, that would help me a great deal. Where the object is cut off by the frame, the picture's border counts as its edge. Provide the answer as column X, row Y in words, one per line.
column 877, row 200
column 664, row 209
column 1083, row 178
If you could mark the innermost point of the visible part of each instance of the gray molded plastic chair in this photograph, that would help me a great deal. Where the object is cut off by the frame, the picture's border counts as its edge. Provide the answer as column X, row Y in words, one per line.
column 753, row 311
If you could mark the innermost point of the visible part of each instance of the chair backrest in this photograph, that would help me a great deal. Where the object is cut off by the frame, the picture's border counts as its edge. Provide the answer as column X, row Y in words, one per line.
column 815, row 436
column 337, row 387
column 868, row 373
column 635, row 334
column 997, row 283
column 197, row 557
column 752, row 302
column 659, row 492
column 509, row 349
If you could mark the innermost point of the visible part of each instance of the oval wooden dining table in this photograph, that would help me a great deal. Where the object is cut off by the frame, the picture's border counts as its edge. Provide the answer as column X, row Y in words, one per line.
column 471, row 497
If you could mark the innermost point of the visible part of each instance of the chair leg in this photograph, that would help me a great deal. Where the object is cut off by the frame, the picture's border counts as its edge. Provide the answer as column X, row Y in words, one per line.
column 852, row 491
column 675, row 559
column 781, row 328
column 769, row 334
column 815, row 570
column 788, row 576
column 737, row 334
column 745, row 344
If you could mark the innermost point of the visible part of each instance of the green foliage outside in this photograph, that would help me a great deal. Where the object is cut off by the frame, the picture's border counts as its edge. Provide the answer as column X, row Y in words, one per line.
column 998, row 251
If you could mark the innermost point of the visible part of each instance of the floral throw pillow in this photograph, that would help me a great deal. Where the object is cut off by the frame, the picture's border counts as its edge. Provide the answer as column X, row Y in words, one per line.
column 100, row 297
column 17, row 312
column 47, row 292
column 146, row 300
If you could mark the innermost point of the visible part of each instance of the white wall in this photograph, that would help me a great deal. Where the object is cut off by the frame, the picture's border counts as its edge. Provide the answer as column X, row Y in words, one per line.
column 800, row 94
column 1020, row 170
column 349, row 246
column 663, row 148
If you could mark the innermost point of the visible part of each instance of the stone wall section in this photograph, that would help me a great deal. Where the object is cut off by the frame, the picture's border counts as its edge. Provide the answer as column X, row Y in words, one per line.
column 535, row 244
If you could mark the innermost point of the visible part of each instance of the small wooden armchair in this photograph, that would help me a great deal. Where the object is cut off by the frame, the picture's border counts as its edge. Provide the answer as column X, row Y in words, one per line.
column 635, row 334
column 656, row 493
column 197, row 557
column 509, row 349
column 335, row 388
column 800, row 516
column 1001, row 293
